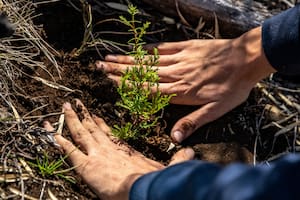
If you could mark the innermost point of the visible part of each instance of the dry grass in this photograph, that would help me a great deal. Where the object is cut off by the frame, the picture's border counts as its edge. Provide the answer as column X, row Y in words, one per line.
column 19, row 136
column 22, row 50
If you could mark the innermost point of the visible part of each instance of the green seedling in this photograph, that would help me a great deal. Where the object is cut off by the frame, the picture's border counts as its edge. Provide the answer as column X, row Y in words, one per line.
column 48, row 168
column 138, row 83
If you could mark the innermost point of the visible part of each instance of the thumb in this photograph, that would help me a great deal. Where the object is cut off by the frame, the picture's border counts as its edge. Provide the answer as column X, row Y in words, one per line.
column 188, row 124
column 182, row 155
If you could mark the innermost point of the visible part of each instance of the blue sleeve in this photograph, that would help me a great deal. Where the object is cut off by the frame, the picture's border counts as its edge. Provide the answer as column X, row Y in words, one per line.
column 281, row 41
column 206, row 181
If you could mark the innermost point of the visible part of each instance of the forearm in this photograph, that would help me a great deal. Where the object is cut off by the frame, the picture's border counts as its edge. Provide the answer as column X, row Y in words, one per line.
column 197, row 180
column 281, row 43
column 176, row 182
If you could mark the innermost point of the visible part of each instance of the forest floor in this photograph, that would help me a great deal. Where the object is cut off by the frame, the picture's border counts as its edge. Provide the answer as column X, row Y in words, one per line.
column 260, row 130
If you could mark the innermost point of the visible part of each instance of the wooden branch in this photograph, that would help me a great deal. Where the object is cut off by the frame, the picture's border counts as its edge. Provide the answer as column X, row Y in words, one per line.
column 234, row 16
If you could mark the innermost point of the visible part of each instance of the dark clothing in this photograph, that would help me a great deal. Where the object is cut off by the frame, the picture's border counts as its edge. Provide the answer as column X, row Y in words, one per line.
column 196, row 180
column 281, row 41
column 206, row 181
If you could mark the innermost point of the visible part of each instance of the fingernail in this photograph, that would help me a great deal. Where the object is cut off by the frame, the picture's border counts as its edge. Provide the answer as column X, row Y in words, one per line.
column 67, row 106
column 100, row 65
column 189, row 152
column 45, row 123
column 77, row 102
column 178, row 136
column 111, row 58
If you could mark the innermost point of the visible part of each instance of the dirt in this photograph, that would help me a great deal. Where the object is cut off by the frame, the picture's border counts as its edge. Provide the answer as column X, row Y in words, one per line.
column 228, row 139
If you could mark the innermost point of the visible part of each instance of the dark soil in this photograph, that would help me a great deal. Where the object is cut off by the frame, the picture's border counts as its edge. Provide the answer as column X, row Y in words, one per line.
column 228, row 139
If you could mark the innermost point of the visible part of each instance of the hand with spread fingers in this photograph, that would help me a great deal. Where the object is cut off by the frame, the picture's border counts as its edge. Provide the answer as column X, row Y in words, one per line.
column 108, row 168
column 214, row 74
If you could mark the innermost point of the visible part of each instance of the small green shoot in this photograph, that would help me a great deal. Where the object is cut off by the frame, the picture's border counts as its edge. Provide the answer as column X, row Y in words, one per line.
column 138, row 83
column 48, row 168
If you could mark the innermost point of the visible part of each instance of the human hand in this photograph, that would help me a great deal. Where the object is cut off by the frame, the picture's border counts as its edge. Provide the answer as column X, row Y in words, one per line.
column 216, row 74
column 109, row 168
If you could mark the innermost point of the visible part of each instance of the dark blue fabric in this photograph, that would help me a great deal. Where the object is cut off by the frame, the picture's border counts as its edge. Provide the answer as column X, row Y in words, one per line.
column 193, row 180
column 281, row 41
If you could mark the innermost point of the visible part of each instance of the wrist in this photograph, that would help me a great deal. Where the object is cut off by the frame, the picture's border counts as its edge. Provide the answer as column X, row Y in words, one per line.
column 126, row 187
column 256, row 65
column 120, row 190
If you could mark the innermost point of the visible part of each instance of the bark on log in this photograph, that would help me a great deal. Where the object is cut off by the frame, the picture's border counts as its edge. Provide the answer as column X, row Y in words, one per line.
column 234, row 16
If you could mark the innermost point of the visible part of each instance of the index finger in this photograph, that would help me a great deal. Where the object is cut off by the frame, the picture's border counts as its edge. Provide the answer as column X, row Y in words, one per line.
column 79, row 133
column 167, row 48
column 74, row 154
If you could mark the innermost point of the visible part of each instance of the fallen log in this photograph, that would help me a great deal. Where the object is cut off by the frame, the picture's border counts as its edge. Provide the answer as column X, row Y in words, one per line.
column 234, row 16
